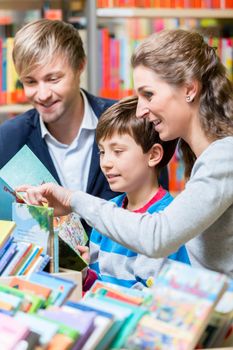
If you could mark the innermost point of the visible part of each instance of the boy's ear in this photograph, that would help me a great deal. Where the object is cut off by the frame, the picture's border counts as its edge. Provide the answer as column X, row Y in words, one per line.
column 155, row 155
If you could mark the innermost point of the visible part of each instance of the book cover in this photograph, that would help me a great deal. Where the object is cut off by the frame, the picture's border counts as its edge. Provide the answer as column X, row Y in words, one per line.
column 34, row 224
column 35, row 288
column 6, row 228
column 61, row 287
column 23, row 168
column 71, row 233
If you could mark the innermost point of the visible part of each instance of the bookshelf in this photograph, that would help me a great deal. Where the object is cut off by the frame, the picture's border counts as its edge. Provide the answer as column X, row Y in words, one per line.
column 163, row 12
column 13, row 14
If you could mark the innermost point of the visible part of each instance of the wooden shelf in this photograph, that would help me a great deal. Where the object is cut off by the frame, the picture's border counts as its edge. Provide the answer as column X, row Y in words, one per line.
column 164, row 12
column 14, row 108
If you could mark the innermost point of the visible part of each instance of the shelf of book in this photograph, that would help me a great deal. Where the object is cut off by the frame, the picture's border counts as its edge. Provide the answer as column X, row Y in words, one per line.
column 164, row 12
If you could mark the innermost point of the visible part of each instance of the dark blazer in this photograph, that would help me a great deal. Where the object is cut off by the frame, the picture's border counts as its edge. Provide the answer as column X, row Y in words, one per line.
column 25, row 130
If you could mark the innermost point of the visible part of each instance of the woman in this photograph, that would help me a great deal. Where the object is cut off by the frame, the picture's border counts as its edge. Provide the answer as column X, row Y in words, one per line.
column 183, row 90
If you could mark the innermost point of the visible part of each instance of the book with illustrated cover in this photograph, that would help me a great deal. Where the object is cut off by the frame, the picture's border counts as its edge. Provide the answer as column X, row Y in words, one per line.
column 34, row 224
column 184, row 298
column 71, row 233
column 23, row 168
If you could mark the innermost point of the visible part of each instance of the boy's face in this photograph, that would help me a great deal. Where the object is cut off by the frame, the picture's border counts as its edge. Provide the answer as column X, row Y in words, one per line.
column 52, row 89
column 123, row 163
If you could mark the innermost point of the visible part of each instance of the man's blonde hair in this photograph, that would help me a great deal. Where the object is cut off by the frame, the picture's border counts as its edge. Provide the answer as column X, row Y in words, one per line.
column 40, row 41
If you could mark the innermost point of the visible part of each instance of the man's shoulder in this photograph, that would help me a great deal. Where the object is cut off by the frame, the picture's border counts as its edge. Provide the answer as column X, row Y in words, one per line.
column 15, row 133
column 21, row 121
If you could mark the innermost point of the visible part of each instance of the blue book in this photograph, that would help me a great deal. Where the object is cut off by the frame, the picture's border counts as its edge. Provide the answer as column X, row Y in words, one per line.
column 6, row 246
column 62, row 287
column 7, row 256
column 21, row 249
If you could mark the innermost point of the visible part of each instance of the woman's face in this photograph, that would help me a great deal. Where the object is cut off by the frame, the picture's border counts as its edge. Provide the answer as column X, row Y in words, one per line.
column 163, row 104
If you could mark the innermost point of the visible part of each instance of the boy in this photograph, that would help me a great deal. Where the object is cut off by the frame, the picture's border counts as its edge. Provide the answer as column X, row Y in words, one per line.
column 131, row 157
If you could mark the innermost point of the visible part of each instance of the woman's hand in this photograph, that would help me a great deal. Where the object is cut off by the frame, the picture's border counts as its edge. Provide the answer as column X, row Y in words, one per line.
column 53, row 195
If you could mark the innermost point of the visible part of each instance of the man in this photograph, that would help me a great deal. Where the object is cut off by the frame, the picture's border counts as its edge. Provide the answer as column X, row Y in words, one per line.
column 60, row 130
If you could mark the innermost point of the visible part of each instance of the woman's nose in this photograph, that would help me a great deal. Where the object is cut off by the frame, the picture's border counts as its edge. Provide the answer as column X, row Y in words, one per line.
column 142, row 111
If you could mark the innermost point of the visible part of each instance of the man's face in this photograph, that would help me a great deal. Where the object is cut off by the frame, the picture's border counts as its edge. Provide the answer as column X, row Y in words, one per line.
column 52, row 89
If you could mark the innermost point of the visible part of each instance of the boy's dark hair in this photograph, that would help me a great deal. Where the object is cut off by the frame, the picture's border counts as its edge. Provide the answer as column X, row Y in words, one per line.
column 121, row 118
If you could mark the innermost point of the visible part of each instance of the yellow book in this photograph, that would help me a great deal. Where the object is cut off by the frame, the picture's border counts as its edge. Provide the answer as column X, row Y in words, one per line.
column 6, row 228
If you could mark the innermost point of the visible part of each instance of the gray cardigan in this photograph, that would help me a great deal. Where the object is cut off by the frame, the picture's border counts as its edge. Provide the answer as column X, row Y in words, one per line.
column 201, row 215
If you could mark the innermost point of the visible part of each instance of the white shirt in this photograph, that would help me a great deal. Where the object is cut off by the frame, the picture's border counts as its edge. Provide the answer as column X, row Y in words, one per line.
column 72, row 162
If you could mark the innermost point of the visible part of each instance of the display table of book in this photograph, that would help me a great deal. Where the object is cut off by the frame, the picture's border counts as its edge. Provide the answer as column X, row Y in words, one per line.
column 178, row 312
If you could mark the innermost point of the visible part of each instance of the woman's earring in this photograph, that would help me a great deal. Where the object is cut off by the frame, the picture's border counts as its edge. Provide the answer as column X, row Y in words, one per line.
column 189, row 99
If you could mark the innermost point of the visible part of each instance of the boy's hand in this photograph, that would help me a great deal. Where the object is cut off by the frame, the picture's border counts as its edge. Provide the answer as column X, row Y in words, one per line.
column 84, row 252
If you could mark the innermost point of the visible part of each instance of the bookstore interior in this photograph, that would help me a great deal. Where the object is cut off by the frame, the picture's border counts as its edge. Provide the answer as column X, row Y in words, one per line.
column 42, row 305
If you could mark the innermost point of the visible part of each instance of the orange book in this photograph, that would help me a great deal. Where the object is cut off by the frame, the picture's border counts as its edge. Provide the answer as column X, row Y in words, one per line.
column 25, row 285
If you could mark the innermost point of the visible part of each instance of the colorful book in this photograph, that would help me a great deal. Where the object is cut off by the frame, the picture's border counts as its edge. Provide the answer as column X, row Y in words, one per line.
column 34, row 224
column 31, row 303
column 72, row 319
column 102, row 325
column 61, row 288
column 6, row 258
column 71, row 233
column 35, row 288
column 184, row 298
column 22, row 249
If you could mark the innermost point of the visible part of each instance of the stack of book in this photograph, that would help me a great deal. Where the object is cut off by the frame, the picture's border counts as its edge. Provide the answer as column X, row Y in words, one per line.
column 174, row 314
column 19, row 257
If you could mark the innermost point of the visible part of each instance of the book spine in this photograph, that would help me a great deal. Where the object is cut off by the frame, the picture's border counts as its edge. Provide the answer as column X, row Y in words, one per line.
column 7, row 256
